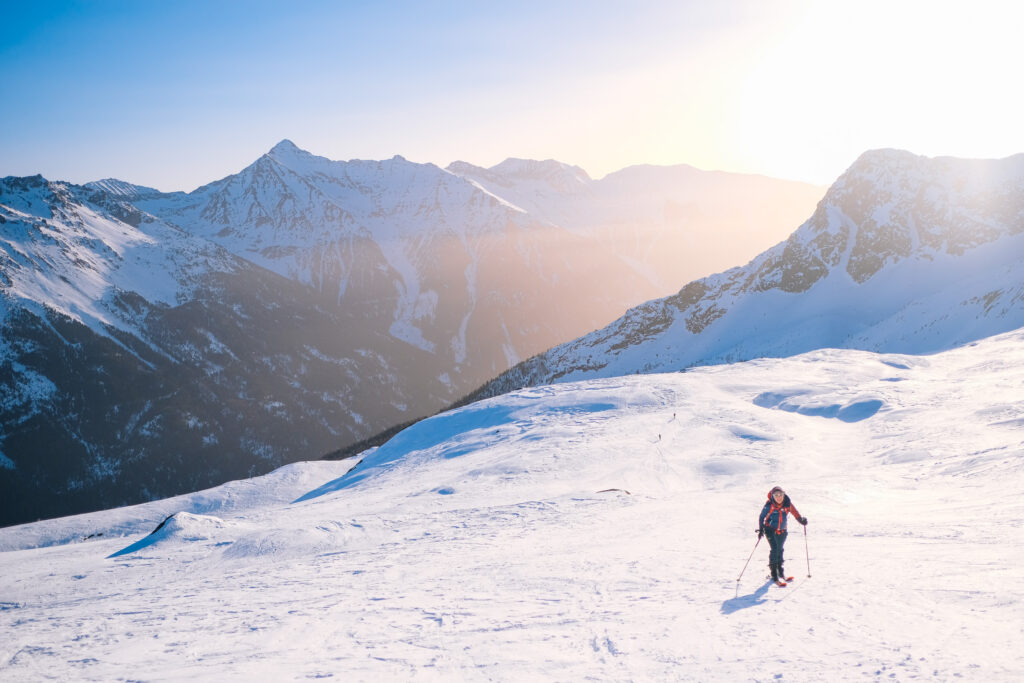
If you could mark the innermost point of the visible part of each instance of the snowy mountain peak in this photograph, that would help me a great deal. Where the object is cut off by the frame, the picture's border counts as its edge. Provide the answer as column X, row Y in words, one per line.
column 122, row 189
column 36, row 180
column 288, row 154
column 533, row 186
column 23, row 194
column 302, row 162
column 286, row 149
column 286, row 146
column 549, row 169
column 888, row 157
column 464, row 168
column 891, row 205
column 897, row 170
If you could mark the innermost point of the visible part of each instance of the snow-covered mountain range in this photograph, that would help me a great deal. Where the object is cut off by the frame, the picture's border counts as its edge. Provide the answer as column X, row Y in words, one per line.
column 581, row 531
column 904, row 254
column 154, row 343
column 138, row 360
column 412, row 250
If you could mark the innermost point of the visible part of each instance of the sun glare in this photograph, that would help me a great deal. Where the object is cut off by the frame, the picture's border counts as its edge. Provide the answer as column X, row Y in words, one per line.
column 927, row 77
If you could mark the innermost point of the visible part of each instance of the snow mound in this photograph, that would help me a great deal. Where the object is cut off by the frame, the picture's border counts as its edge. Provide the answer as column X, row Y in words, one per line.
column 326, row 538
column 751, row 434
column 181, row 527
column 231, row 499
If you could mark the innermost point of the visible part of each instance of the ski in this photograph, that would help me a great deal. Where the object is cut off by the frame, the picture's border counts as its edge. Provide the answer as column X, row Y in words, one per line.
column 780, row 584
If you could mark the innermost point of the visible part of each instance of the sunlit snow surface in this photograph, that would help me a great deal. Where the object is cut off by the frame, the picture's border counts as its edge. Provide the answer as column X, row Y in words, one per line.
column 476, row 545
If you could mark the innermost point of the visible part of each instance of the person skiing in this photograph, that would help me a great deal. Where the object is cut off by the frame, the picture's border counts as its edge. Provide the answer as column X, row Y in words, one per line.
column 772, row 523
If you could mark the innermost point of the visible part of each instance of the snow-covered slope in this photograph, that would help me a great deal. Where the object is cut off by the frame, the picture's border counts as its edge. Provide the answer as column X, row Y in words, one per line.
column 904, row 254
column 75, row 250
column 590, row 530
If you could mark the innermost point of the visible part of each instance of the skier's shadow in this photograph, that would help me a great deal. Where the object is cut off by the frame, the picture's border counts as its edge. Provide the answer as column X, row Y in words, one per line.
column 744, row 601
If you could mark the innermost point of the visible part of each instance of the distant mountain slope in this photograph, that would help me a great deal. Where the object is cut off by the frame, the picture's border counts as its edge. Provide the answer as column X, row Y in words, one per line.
column 673, row 223
column 903, row 254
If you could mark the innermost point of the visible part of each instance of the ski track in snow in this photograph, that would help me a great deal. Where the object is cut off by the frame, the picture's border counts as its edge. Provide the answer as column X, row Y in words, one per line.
column 476, row 546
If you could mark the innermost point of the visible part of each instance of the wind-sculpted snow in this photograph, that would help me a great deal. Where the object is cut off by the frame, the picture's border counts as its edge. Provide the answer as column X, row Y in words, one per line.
column 590, row 530
column 244, row 543
column 793, row 402
column 178, row 528
column 454, row 434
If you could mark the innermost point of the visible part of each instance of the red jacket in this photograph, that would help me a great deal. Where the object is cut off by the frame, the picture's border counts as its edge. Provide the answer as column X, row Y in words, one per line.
column 773, row 515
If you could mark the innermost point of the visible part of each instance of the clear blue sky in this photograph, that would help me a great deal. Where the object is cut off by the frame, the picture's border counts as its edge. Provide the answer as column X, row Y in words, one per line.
column 177, row 94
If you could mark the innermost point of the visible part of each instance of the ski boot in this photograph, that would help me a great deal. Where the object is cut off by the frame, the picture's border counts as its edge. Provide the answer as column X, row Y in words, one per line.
column 778, row 576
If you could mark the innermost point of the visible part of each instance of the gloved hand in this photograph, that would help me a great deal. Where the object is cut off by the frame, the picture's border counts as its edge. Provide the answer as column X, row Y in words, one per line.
column 803, row 520
column 760, row 533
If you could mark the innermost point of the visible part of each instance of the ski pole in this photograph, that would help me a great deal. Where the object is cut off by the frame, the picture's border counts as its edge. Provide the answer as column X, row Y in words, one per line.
column 748, row 560
column 807, row 552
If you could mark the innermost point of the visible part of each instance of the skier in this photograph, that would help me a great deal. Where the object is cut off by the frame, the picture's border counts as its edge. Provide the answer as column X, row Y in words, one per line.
column 772, row 523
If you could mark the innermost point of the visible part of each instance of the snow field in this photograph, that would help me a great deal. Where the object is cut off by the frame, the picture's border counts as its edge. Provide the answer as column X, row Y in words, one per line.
column 482, row 544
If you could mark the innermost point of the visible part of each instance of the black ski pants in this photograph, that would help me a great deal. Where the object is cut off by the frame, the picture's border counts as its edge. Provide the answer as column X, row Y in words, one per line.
column 776, row 541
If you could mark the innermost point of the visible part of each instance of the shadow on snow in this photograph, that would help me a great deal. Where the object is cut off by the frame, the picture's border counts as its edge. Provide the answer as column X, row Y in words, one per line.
column 744, row 601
